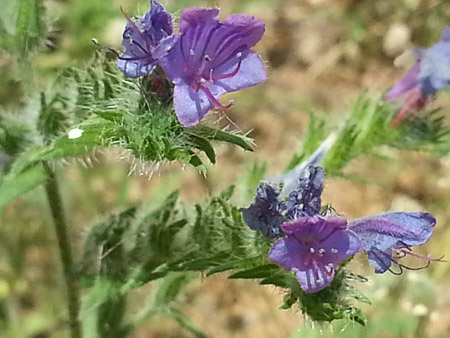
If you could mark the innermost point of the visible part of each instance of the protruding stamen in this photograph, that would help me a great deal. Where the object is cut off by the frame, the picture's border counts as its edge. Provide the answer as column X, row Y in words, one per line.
column 333, row 250
column 191, row 52
column 321, row 251
column 214, row 101
column 233, row 73
column 312, row 250
column 207, row 58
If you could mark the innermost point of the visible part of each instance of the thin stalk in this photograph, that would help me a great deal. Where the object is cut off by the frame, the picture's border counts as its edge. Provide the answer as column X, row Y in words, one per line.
column 59, row 220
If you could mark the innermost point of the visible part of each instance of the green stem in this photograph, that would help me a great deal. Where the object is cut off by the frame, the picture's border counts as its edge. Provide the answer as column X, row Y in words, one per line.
column 56, row 208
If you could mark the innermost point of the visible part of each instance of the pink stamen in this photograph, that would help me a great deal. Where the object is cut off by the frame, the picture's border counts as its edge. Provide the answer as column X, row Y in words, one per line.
column 227, row 76
column 427, row 258
column 213, row 100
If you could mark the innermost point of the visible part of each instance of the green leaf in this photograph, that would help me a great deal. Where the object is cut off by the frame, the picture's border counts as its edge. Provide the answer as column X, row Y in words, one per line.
column 15, row 184
column 186, row 323
column 28, row 25
column 203, row 145
column 221, row 135
column 169, row 288
column 262, row 271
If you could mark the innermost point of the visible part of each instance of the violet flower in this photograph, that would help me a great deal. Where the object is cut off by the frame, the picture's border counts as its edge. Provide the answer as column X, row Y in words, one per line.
column 394, row 231
column 313, row 248
column 314, row 245
column 209, row 59
column 429, row 74
column 141, row 38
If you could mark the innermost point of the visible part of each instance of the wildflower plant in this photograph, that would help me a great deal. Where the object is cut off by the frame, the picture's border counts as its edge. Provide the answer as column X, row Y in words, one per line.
column 150, row 101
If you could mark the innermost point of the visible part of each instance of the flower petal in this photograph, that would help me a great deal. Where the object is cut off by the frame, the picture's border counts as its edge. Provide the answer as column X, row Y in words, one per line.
column 445, row 36
column 384, row 232
column 190, row 106
column 407, row 83
column 251, row 72
column 140, row 39
column 194, row 16
column 435, row 67
column 157, row 21
column 314, row 280
column 136, row 68
column 250, row 28
column 313, row 248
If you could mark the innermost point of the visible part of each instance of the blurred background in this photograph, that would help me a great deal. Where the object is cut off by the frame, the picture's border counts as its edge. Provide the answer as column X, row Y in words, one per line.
column 320, row 56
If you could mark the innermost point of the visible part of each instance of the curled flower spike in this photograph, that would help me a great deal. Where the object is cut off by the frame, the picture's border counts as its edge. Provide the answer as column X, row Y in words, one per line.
column 209, row 59
column 395, row 231
column 313, row 248
column 429, row 74
column 305, row 199
column 265, row 213
column 141, row 38
column 268, row 211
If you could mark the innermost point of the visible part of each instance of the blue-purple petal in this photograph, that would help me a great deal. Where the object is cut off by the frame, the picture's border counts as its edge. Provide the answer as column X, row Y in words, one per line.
column 141, row 38
column 435, row 67
column 251, row 72
column 395, row 230
column 250, row 28
column 194, row 16
column 408, row 82
column 313, row 248
column 190, row 106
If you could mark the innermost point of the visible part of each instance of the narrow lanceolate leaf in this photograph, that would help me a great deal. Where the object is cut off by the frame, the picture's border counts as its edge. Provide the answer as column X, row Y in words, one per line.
column 13, row 185
column 28, row 25
column 224, row 136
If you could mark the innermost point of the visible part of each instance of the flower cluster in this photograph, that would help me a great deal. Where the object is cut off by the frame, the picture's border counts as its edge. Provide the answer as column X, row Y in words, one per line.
column 429, row 74
column 314, row 245
column 205, row 60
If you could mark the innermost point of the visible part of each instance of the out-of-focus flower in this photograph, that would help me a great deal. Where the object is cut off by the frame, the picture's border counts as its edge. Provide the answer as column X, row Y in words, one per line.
column 268, row 211
column 209, row 59
column 429, row 74
column 313, row 248
column 141, row 38
column 395, row 231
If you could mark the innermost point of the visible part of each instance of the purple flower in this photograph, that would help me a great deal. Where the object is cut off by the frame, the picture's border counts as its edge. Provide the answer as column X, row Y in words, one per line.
column 140, row 39
column 398, row 231
column 429, row 74
column 209, row 59
column 268, row 211
column 313, row 248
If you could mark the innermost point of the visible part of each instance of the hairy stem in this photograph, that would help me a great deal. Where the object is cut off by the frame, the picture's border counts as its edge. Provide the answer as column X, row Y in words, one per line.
column 56, row 208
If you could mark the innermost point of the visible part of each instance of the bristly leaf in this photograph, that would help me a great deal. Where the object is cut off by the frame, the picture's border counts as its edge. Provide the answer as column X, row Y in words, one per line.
column 13, row 185
column 369, row 127
column 22, row 22
column 315, row 134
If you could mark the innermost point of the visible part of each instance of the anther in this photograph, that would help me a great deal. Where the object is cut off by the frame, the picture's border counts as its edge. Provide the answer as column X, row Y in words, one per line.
column 239, row 54
column 207, row 58
column 191, row 52
column 311, row 250
column 333, row 250
column 321, row 251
